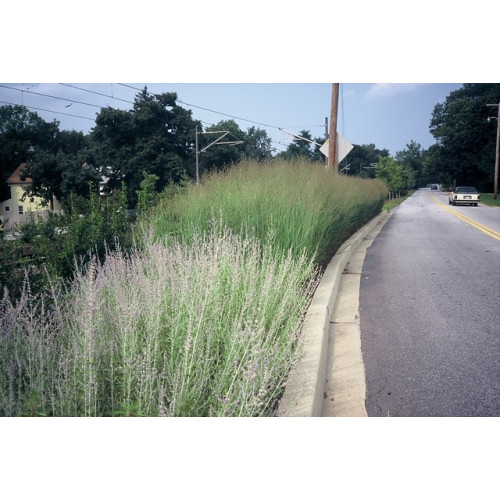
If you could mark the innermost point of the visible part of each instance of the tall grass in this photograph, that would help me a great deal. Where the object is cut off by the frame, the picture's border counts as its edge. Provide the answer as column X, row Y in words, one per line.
column 203, row 318
column 206, row 329
column 302, row 205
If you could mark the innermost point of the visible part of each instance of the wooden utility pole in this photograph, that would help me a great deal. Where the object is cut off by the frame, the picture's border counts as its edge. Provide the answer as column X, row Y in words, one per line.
column 326, row 138
column 332, row 139
column 497, row 152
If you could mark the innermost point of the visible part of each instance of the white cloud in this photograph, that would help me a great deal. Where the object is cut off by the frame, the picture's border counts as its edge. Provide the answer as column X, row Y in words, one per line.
column 383, row 90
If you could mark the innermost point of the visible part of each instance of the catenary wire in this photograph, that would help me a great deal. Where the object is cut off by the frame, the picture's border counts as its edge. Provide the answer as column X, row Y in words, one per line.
column 97, row 93
column 131, row 102
column 49, row 111
column 51, row 96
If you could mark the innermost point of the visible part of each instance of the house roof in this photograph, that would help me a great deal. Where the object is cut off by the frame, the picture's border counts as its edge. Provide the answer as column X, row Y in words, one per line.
column 15, row 177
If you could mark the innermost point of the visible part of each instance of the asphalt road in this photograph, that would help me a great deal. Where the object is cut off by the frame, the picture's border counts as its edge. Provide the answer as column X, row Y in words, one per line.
column 430, row 311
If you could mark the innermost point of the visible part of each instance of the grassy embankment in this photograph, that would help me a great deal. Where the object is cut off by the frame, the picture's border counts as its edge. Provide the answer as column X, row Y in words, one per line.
column 203, row 319
column 487, row 199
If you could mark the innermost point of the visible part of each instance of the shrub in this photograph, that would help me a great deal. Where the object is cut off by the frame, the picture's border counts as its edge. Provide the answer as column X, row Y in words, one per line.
column 205, row 329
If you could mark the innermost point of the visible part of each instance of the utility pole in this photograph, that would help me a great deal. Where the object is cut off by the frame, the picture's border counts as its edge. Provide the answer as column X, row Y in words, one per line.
column 326, row 138
column 332, row 140
column 495, row 182
column 197, row 154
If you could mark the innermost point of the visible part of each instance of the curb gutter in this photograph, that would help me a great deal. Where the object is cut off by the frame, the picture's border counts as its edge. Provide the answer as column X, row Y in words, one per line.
column 305, row 387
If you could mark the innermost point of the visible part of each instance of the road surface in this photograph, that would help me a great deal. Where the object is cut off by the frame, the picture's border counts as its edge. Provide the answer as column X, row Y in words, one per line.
column 430, row 311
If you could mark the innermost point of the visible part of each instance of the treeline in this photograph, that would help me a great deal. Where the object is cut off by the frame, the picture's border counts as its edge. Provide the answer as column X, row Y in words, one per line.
column 156, row 137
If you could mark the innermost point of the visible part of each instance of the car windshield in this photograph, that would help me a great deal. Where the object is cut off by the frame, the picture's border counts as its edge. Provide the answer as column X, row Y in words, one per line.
column 465, row 190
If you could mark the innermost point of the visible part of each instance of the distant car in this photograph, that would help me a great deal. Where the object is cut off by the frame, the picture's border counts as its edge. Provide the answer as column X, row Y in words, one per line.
column 434, row 186
column 464, row 195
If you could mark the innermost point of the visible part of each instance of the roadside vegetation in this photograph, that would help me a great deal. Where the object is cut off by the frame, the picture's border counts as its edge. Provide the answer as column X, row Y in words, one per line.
column 487, row 199
column 394, row 202
column 201, row 316
column 293, row 205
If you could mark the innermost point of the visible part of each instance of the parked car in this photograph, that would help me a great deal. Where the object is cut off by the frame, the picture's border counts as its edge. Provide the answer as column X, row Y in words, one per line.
column 464, row 195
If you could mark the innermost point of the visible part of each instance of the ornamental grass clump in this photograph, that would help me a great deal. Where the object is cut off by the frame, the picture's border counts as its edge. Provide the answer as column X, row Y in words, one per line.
column 305, row 207
column 205, row 329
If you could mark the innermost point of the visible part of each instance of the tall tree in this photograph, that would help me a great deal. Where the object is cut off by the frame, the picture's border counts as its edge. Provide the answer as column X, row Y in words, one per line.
column 220, row 156
column 299, row 147
column 156, row 136
column 397, row 177
column 363, row 157
column 466, row 152
column 61, row 169
column 412, row 158
column 257, row 144
column 22, row 134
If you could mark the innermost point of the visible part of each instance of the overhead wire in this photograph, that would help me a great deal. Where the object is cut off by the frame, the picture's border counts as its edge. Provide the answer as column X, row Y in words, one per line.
column 95, row 92
column 51, row 96
column 49, row 111
column 129, row 102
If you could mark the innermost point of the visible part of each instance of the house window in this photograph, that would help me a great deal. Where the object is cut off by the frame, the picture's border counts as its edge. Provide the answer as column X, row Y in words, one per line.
column 21, row 211
column 6, row 208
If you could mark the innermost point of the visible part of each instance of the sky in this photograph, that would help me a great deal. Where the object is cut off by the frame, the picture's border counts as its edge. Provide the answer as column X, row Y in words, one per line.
column 389, row 115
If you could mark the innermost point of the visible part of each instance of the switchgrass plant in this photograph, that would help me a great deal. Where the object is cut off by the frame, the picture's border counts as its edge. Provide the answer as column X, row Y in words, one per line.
column 203, row 318
column 303, row 206
column 208, row 328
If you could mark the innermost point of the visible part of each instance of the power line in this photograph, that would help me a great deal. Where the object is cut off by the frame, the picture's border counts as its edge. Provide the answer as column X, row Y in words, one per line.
column 97, row 93
column 49, row 110
column 51, row 96
column 131, row 102
column 208, row 109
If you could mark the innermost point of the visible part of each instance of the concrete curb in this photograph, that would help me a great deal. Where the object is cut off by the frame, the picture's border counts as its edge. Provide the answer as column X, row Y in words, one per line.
column 304, row 391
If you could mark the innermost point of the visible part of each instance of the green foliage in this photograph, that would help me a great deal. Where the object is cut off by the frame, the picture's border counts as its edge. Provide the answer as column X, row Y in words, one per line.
column 205, row 329
column 22, row 134
column 488, row 199
column 398, row 178
column 157, row 136
column 257, row 144
column 299, row 203
column 465, row 149
column 203, row 320
column 300, row 148
column 362, row 157
column 48, row 247
column 146, row 196
column 221, row 156
column 412, row 160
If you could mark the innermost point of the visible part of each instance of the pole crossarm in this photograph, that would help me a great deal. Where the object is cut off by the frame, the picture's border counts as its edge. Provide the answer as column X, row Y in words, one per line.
column 217, row 141
column 213, row 143
column 300, row 137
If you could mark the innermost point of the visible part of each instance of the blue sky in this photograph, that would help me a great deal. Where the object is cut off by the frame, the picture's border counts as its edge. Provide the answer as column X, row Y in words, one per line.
column 387, row 115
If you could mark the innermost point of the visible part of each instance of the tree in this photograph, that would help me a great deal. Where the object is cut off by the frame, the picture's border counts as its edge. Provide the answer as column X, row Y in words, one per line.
column 465, row 140
column 412, row 158
column 316, row 154
column 393, row 173
column 146, row 196
column 156, row 136
column 432, row 171
column 363, row 157
column 257, row 144
column 22, row 134
column 299, row 148
column 60, row 169
column 221, row 156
